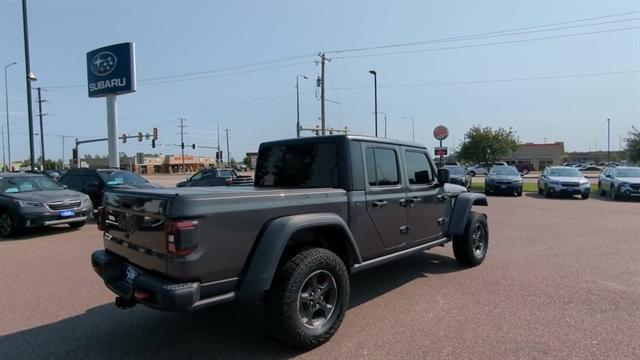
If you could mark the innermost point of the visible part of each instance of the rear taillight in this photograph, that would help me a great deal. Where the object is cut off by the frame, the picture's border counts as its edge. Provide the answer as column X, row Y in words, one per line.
column 101, row 218
column 181, row 236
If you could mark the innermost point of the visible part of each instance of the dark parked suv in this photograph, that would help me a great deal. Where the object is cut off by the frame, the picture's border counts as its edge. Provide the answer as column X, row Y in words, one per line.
column 321, row 209
column 94, row 182
column 216, row 177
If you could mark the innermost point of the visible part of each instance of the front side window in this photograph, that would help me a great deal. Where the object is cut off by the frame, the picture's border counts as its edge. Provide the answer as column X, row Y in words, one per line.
column 382, row 167
column 197, row 176
column 418, row 169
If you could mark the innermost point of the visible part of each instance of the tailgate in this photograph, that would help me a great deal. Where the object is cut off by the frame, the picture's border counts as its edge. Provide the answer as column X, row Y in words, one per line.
column 135, row 228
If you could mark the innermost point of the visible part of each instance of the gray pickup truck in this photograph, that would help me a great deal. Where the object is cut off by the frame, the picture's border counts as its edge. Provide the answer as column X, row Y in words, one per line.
column 320, row 209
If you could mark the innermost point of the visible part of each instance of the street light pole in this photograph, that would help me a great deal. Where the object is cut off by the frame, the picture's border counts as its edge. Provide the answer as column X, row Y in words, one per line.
column 4, row 164
column 29, row 78
column 218, row 134
column 385, row 123
column 608, row 141
column 298, row 105
column 413, row 128
column 6, row 104
column 375, row 97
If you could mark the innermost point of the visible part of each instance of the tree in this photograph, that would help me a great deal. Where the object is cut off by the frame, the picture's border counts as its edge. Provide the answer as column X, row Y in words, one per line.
column 232, row 162
column 633, row 144
column 486, row 145
column 247, row 161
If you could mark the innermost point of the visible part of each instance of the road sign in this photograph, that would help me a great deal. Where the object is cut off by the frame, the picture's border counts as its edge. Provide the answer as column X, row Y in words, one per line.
column 440, row 150
column 440, row 132
column 111, row 70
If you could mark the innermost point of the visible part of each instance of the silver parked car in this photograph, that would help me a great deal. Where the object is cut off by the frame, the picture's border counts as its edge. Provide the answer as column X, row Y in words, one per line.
column 30, row 200
column 622, row 181
column 563, row 180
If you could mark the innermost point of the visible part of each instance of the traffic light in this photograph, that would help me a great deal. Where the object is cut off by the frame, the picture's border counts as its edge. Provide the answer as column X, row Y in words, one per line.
column 317, row 130
column 155, row 133
column 124, row 138
column 74, row 155
column 193, row 146
column 182, row 145
column 147, row 136
column 139, row 136
column 153, row 144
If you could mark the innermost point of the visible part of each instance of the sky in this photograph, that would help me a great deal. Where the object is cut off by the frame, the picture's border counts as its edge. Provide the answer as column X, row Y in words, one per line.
column 455, row 63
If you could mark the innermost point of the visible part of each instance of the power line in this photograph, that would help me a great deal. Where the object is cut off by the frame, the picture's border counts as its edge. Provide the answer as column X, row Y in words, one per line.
column 513, row 31
column 487, row 44
column 489, row 81
column 203, row 74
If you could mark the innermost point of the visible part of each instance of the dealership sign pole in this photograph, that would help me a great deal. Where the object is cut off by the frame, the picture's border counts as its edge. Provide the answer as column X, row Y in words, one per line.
column 111, row 70
column 441, row 133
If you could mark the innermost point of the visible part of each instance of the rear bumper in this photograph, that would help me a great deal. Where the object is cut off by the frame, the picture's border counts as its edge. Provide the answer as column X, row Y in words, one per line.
column 136, row 286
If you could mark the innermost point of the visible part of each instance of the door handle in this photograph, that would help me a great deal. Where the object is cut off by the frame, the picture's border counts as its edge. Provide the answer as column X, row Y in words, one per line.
column 404, row 203
column 443, row 197
column 379, row 203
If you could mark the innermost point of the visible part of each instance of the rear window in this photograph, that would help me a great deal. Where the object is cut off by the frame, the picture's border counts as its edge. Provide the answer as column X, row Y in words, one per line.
column 298, row 165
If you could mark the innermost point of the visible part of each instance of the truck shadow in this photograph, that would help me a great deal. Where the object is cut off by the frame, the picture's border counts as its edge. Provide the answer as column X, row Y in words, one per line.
column 27, row 234
column 234, row 330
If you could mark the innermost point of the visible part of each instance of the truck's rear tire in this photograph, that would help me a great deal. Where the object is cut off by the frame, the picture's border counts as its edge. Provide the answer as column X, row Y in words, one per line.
column 308, row 298
column 470, row 248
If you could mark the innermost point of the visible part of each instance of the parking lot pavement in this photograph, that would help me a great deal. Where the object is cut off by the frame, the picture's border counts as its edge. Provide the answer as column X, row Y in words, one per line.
column 561, row 280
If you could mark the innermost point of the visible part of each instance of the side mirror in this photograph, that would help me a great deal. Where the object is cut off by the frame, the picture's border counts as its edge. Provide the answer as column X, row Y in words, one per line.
column 65, row 186
column 443, row 176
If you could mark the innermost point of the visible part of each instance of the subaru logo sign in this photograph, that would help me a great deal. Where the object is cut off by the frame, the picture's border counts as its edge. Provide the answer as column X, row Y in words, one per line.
column 111, row 70
column 103, row 63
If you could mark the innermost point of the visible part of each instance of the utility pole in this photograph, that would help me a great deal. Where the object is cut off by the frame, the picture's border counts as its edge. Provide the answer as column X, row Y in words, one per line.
column 40, row 114
column 63, row 137
column 182, row 126
column 545, row 139
column 608, row 141
column 29, row 77
column 228, row 153
column 298, row 105
column 323, row 120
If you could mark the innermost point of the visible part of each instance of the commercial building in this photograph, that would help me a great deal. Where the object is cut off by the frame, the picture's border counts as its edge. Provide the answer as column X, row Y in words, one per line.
column 540, row 155
column 155, row 163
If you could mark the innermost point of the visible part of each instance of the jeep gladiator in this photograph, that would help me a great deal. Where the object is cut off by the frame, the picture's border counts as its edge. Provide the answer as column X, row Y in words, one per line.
column 320, row 209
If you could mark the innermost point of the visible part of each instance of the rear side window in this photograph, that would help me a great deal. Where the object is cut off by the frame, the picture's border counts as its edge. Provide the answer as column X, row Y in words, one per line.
column 382, row 167
column 418, row 169
column 311, row 165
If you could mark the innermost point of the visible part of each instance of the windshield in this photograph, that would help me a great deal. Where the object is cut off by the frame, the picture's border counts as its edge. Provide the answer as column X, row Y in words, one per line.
column 121, row 178
column 504, row 170
column 227, row 173
column 21, row 184
column 628, row 172
column 565, row 172
column 455, row 170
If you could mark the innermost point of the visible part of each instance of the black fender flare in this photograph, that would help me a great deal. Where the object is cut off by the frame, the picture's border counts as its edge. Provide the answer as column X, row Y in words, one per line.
column 461, row 210
column 266, row 257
